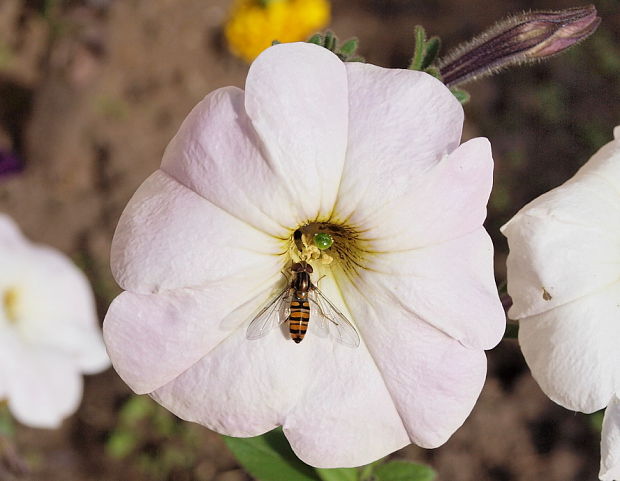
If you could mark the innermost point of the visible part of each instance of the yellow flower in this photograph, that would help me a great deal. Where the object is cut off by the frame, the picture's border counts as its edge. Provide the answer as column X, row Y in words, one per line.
column 255, row 24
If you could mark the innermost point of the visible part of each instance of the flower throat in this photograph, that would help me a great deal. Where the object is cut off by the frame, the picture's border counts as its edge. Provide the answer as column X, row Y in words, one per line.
column 326, row 243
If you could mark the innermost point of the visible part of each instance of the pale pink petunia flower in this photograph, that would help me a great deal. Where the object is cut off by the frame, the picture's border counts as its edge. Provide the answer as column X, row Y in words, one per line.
column 564, row 279
column 49, row 334
column 368, row 153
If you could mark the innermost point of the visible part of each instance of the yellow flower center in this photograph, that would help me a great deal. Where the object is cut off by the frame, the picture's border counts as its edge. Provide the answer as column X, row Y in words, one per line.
column 10, row 303
column 254, row 25
column 345, row 252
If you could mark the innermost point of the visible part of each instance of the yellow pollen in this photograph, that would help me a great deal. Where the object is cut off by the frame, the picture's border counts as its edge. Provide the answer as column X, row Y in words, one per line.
column 326, row 259
column 10, row 301
column 253, row 25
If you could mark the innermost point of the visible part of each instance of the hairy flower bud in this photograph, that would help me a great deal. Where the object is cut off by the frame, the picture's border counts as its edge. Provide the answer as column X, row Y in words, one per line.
column 519, row 39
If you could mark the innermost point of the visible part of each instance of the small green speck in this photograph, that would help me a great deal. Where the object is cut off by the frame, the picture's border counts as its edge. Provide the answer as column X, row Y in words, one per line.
column 323, row 240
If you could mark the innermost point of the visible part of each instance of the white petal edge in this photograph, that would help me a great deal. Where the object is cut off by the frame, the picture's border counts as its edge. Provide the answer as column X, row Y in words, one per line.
column 296, row 97
column 564, row 245
column 351, row 420
column 169, row 237
column 610, row 441
column 433, row 379
column 572, row 350
column 154, row 338
column 330, row 399
column 9, row 232
column 444, row 203
column 450, row 285
column 60, row 314
column 401, row 123
column 217, row 154
column 43, row 385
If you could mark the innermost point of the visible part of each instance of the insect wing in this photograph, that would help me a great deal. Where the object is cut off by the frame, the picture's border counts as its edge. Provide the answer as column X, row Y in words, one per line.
column 331, row 320
column 274, row 313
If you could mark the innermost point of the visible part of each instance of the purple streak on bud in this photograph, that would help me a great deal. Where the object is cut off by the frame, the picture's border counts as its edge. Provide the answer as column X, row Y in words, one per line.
column 519, row 39
column 9, row 164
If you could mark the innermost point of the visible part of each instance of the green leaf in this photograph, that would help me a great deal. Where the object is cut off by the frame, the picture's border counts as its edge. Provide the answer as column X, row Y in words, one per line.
column 316, row 39
column 7, row 427
column 121, row 444
column 270, row 458
column 345, row 52
column 330, row 41
column 596, row 420
column 135, row 409
column 431, row 50
column 338, row 474
column 163, row 422
column 461, row 95
column 420, row 47
column 366, row 472
column 434, row 71
column 349, row 47
column 404, row 471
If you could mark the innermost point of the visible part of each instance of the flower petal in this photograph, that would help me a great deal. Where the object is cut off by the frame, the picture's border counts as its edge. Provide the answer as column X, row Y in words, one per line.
column 401, row 124
column 169, row 237
column 82, row 343
column 450, row 285
column 610, row 442
column 10, row 235
column 45, row 316
column 449, row 202
column 606, row 162
column 154, row 338
column 246, row 388
column 43, row 385
column 572, row 350
column 331, row 399
column 566, row 243
column 242, row 388
column 217, row 154
column 348, row 421
column 433, row 379
column 296, row 98
column 346, row 416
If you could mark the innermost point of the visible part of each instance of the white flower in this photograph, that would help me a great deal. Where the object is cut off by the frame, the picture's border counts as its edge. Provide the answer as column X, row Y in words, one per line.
column 371, row 155
column 564, row 279
column 48, row 331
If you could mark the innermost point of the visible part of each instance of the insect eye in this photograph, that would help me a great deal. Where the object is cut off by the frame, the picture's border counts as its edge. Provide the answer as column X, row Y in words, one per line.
column 296, row 267
column 309, row 269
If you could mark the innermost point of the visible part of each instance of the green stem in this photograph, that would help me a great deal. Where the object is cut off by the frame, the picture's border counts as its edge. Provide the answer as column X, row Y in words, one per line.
column 7, row 426
column 420, row 46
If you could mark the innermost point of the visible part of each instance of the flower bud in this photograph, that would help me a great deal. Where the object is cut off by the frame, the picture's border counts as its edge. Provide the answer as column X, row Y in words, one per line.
column 9, row 163
column 519, row 39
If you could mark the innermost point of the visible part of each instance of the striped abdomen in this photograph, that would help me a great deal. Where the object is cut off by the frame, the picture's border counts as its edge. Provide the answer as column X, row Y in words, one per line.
column 298, row 318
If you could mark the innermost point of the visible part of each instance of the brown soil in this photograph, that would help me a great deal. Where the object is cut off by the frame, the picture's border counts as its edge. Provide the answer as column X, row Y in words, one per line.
column 91, row 92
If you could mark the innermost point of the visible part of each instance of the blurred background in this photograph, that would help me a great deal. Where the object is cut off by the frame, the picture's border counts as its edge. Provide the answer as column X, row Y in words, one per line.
column 91, row 91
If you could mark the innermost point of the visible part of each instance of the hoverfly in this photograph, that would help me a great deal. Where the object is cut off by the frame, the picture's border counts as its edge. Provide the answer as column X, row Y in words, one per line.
column 295, row 304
